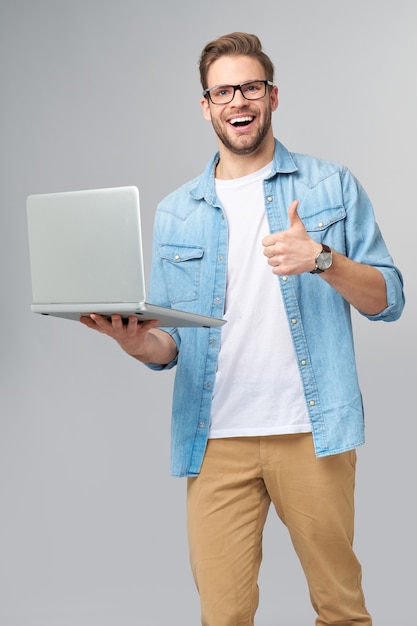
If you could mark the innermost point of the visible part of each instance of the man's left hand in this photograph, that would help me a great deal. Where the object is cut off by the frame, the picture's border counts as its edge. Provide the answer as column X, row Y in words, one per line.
column 292, row 251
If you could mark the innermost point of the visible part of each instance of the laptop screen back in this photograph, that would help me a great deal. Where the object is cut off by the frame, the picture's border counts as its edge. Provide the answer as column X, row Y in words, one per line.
column 85, row 246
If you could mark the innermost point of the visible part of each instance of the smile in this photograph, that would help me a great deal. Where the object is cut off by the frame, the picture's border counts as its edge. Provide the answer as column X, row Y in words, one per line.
column 242, row 121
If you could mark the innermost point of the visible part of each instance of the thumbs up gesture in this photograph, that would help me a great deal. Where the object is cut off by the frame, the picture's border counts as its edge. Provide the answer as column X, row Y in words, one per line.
column 291, row 251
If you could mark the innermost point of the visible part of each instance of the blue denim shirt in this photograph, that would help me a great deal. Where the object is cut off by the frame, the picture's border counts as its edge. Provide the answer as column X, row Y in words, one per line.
column 189, row 262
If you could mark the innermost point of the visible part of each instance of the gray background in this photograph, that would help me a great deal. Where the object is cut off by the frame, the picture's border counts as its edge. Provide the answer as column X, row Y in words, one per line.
column 98, row 94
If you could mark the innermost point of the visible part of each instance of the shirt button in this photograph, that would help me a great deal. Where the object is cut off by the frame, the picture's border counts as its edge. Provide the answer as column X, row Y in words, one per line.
column 176, row 257
column 220, row 258
column 269, row 198
column 320, row 224
column 284, row 278
column 212, row 342
column 293, row 321
column 207, row 384
column 303, row 362
column 312, row 403
column 202, row 424
column 217, row 300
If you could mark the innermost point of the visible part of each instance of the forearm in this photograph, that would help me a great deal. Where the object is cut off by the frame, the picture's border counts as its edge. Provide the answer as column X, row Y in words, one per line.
column 159, row 348
column 363, row 286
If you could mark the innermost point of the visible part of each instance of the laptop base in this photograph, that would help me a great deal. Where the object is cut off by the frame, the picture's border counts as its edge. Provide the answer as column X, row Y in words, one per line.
column 143, row 311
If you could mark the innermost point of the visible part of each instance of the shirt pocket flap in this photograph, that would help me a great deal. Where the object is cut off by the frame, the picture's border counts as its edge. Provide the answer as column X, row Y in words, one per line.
column 178, row 253
column 320, row 219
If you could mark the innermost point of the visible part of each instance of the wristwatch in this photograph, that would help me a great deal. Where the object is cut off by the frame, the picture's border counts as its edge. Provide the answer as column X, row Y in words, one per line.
column 323, row 260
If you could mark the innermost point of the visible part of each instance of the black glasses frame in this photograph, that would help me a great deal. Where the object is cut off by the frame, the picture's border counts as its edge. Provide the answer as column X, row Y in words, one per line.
column 267, row 83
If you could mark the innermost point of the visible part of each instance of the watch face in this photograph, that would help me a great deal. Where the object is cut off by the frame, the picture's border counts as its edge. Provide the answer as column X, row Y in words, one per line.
column 324, row 260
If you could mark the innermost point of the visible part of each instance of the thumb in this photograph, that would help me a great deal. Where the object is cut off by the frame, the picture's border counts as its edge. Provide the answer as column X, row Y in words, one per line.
column 293, row 214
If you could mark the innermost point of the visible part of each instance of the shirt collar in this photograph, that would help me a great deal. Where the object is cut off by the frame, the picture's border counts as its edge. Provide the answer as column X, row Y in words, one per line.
column 283, row 163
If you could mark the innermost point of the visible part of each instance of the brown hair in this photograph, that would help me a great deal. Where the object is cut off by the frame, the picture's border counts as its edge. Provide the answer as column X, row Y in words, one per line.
column 235, row 44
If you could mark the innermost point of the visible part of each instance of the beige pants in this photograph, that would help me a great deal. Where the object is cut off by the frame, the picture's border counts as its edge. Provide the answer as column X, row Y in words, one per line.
column 227, row 507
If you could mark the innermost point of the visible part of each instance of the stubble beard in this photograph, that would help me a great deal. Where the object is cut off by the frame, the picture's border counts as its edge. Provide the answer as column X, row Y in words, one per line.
column 245, row 144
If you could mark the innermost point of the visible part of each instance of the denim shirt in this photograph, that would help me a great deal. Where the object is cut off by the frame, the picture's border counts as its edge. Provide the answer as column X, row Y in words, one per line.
column 189, row 262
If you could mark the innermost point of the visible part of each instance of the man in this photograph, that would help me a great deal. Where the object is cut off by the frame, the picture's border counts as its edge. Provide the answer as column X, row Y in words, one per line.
column 267, row 409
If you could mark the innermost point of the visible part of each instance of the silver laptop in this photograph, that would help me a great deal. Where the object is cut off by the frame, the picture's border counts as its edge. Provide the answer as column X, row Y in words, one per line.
column 86, row 257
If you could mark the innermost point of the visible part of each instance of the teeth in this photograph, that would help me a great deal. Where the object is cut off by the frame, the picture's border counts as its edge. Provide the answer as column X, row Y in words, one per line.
column 241, row 120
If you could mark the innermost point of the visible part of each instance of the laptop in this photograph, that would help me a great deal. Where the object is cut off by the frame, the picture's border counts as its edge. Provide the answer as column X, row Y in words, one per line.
column 86, row 256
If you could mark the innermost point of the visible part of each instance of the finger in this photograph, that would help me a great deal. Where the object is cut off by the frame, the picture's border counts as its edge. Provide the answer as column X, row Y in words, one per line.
column 97, row 318
column 293, row 214
column 117, row 321
column 269, row 241
column 87, row 321
column 134, row 323
column 96, row 322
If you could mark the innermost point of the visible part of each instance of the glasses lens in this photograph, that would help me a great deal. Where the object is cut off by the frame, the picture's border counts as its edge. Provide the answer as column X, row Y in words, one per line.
column 223, row 94
column 254, row 90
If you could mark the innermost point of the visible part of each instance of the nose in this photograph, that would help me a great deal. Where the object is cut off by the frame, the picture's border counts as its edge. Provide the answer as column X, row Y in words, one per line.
column 239, row 97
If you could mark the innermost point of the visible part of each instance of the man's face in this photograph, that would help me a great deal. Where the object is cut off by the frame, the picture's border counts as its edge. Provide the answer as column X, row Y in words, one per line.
column 242, row 125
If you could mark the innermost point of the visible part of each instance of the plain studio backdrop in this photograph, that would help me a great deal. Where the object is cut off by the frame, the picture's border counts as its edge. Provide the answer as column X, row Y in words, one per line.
column 101, row 93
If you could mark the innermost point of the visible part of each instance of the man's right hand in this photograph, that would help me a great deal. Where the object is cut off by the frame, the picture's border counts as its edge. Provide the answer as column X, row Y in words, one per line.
column 139, row 339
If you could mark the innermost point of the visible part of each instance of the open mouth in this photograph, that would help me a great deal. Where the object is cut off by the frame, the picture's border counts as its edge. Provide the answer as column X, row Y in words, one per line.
column 237, row 122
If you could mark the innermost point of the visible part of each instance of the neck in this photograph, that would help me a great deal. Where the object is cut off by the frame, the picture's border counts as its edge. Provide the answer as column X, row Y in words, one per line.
column 233, row 165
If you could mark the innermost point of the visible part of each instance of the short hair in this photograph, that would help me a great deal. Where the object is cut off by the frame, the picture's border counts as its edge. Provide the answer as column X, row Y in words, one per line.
column 234, row 44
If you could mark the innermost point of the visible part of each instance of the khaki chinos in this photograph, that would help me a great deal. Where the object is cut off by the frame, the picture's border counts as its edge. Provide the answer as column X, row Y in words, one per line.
column 228, row 504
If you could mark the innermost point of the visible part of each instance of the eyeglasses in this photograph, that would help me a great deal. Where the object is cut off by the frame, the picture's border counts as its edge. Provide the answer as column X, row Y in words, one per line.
column 251, row 90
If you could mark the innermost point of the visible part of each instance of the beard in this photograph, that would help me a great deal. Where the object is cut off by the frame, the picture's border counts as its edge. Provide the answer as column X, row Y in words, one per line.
column 243, row 144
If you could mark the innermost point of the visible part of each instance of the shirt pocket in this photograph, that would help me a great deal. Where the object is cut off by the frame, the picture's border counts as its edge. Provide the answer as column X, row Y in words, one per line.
column 182, row 270
column 321, row 219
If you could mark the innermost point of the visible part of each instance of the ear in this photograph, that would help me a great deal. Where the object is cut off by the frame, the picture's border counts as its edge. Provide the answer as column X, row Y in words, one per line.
column 274, row 98
column 205, row 105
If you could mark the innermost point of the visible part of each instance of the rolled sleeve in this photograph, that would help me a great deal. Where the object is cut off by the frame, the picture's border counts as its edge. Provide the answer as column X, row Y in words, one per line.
column 395, row 296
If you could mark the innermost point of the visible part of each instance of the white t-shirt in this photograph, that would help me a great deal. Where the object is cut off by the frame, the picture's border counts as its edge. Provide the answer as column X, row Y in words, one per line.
column 258, row 389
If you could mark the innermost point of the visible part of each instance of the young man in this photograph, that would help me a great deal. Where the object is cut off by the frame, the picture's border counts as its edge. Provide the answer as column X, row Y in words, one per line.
column 267, row 409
